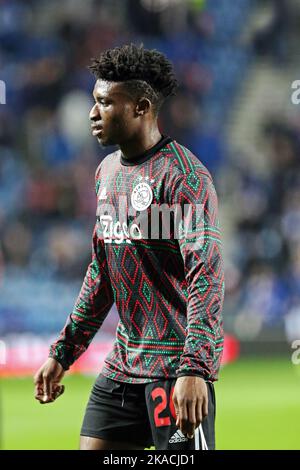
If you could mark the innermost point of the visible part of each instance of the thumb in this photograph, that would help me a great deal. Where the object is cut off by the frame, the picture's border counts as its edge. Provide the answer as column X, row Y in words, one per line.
column 58, row 391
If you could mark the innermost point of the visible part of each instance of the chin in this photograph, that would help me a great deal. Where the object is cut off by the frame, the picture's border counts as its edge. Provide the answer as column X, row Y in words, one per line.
column 106, row 142
column 101, row 141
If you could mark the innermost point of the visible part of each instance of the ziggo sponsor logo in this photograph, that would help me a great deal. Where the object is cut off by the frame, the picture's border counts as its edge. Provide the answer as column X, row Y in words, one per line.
column 122, row 223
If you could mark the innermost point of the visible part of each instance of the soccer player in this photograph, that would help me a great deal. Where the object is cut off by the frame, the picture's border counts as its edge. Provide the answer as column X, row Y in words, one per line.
column 156, row 254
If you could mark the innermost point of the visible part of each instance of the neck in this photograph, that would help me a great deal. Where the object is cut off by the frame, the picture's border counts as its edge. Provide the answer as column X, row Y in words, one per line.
column 140, row 143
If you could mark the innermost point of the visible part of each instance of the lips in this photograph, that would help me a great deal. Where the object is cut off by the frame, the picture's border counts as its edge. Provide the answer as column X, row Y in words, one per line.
column 96, row 130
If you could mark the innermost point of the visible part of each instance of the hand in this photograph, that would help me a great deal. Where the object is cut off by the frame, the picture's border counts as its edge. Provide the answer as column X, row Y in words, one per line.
column 46, row 381
column 190, row 400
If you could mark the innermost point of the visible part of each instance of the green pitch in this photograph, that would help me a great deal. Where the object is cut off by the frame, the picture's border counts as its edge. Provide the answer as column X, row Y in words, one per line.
column 257, row 408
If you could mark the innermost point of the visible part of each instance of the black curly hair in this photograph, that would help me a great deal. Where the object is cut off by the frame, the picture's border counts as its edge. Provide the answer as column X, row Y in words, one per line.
column 144, row 72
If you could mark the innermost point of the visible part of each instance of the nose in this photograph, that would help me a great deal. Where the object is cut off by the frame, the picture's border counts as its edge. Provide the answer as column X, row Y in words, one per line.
column 94, row 113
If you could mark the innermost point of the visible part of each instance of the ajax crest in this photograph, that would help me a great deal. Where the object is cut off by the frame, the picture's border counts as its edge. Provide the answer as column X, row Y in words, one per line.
column 141, row 196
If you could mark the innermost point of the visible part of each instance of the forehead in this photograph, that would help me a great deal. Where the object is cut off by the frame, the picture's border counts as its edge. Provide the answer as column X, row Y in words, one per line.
column 106, row 89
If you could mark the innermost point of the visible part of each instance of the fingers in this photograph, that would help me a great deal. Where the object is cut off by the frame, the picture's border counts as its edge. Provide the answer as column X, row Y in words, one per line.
column 205, row 407
column 190, row 414
column 198, row 414
column 186, row 416
column 57, row 391
column 39, row 394
column 47, row 381
column 182, row 415
column 46, row 390
column 191, row 424
column 38, row 386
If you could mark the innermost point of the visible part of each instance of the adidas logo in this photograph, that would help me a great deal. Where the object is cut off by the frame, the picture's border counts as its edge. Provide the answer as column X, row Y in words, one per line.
column 178, row 437
column 103, row 194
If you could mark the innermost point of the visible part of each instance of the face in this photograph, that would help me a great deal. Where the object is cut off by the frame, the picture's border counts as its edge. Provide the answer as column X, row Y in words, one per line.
column 114, row 119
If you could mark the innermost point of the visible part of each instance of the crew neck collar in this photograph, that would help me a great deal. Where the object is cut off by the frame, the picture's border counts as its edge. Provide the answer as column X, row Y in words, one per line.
column 147, row 154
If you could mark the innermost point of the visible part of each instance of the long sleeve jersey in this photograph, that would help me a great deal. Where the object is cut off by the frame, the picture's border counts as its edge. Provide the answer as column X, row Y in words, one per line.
column 156, row 253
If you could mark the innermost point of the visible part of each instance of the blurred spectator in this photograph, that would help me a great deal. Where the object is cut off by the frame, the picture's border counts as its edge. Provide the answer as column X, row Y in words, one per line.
column 272, row 39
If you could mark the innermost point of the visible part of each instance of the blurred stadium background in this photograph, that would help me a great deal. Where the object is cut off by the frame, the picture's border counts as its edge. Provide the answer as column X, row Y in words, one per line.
column 236, row 62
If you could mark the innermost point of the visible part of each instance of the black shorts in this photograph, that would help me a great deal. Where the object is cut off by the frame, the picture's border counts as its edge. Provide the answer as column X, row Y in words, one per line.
column 143, row 415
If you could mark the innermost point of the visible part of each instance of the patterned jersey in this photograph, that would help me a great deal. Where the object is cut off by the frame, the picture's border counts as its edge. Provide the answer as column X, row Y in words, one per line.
column 156, row 253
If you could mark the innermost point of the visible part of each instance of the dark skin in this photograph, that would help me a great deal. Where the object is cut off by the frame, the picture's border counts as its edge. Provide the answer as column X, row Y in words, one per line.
column 125, row 122
column 119, row 119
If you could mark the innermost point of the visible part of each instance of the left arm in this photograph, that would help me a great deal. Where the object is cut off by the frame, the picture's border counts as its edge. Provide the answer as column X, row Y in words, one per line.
column 200, row 246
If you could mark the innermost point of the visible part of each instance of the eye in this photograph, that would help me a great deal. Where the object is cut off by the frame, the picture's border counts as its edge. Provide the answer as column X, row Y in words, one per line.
column 103, row 102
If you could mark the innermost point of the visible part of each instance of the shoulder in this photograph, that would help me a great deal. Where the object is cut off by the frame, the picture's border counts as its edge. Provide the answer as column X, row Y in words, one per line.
column 104, row 167
column 106, row 163
column 189, row 180
column 187, row 174
column 185, row 163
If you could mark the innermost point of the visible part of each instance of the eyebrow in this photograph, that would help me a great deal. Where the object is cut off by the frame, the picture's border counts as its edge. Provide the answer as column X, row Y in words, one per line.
column 112, row 96
column 99, row 97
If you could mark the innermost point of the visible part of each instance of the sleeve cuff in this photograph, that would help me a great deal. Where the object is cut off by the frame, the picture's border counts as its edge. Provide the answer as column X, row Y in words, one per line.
column 191, row 373
column 61, row 361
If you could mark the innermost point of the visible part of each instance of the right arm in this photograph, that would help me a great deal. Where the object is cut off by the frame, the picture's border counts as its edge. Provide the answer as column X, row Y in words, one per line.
column 91, row 308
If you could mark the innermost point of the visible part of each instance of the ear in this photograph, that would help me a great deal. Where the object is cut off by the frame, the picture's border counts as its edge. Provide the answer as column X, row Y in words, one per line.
column 143, row 106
